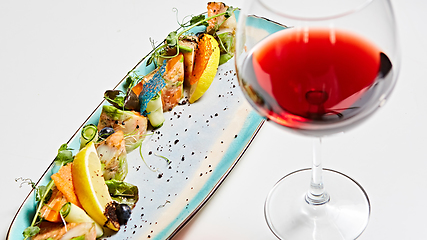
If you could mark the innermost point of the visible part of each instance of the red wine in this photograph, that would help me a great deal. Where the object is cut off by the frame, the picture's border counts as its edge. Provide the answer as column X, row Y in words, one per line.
column 313, row 77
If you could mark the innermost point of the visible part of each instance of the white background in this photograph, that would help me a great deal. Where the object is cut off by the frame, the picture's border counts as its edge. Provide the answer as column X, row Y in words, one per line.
column 57, row 58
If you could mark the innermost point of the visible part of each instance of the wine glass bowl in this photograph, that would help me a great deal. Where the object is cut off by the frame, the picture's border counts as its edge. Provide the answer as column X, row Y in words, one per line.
column 322, row 69
column 317, row 68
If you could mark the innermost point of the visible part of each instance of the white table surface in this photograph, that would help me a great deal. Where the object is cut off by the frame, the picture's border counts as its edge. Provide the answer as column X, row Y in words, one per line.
column 57, row 58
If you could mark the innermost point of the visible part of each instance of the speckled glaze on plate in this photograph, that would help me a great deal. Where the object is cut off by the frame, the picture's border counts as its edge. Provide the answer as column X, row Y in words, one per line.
column 203, row 141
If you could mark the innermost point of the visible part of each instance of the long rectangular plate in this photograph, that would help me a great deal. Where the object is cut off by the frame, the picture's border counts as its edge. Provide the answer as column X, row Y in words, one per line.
column 203, row 141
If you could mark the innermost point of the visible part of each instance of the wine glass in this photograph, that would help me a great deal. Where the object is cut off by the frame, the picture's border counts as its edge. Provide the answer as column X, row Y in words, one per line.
column 317, row 68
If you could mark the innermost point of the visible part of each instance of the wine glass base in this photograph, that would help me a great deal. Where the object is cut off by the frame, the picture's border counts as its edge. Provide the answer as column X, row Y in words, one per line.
column 289, row 216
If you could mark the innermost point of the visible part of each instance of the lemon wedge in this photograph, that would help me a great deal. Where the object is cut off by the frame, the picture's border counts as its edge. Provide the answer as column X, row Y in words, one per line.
column 91, row 189
column 205, row 66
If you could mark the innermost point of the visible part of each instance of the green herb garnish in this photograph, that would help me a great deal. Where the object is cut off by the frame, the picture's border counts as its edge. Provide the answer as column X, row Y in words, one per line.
column 165, row 158
column 31, row 231
column 43, row 193
column 123, row 192
column 118, row 99
column 64, row 155
column 172, row 39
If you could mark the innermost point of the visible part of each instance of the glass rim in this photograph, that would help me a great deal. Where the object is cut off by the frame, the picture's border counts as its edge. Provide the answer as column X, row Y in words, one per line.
column 322, row 18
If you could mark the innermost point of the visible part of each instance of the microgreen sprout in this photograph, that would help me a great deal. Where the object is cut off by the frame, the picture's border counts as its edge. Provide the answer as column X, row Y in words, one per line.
column 64, row 156
column 167, row 159
column 146, row 164
column 119, row 99
column 172, row 39
column 133, row 77
column 27, row 181
column 163, row 205
column 43, row 193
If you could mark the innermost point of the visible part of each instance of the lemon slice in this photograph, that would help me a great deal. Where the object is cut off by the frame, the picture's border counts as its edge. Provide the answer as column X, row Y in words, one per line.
column 91, row 189
column 205, row 66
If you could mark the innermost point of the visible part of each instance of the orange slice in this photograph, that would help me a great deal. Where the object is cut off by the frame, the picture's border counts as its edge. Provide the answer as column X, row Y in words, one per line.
column 205, row 66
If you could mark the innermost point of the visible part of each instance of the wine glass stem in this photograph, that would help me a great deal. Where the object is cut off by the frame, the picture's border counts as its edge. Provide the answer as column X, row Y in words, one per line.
column 317, row 194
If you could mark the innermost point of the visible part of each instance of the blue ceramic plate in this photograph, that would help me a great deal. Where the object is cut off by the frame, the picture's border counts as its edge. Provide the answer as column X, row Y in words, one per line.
column 203, row 141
